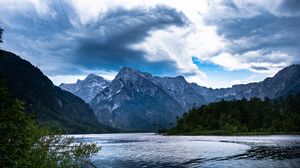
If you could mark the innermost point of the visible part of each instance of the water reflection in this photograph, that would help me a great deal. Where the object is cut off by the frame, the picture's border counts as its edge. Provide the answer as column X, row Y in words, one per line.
column 256, row 153
column 272, row 152
column 149, row 150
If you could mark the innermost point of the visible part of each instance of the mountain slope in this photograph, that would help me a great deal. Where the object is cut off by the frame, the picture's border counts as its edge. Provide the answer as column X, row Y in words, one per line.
column 48, row 103
column 180, row 90
column 87, row 88
column 285, row 82
column 134, row 102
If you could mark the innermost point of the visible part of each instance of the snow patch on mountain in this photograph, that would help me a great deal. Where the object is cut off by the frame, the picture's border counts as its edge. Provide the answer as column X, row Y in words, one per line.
column 88, row 88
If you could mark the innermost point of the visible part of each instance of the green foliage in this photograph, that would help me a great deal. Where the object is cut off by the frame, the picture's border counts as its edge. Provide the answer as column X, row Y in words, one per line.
column 25, row 144
column 47, row 102
column 60, row 151
column 242, row 116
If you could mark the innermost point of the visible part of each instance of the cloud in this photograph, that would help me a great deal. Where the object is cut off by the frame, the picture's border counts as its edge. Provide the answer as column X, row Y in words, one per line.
column 228, row 61
column 257, row 61
column 263, row 31
column 244, row 38
column 261, row 36
column 39, row 33
column 290, row 7
column 111, row 37
column 259, row 68
column 60, row 42
column 58, row 79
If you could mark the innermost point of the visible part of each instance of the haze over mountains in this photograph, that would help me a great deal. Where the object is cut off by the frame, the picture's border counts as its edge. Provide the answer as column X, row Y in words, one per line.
column 137, row 100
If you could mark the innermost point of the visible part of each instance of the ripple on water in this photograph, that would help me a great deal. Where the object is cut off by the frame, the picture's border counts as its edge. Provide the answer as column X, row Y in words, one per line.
column 149, row 150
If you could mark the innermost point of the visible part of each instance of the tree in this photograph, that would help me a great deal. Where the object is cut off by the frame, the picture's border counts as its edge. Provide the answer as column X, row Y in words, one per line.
column 242, row 116
column 1, row 41
column 24, row 143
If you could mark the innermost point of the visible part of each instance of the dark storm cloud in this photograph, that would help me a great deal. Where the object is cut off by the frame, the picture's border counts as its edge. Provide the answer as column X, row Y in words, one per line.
column 290, row 6
column 41, row 39
column 60, row 41
column 109, row 44
column 262, row 30
column 259, row 68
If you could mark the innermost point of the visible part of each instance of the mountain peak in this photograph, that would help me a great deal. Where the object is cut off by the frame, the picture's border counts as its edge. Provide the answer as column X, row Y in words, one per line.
column 291, row 68
column 125, row 72
column 87, row 88
column 181, row 78
column 94, row 77
column 288, row 72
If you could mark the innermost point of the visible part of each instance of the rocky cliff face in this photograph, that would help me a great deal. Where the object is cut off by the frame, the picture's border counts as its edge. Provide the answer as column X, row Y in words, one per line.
column 134, row 101
column 180, row 90
column 87, row 88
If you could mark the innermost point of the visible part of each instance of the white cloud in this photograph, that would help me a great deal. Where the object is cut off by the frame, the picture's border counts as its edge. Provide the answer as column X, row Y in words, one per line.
column 200, row 78
column 106, row 74
column 174, row 44
column 228, row 61
column 39, row 6
column 58, row 79
column 89, row 11
column 259, row 61
column 250, row 79
column 180, row 44
column 233, row 9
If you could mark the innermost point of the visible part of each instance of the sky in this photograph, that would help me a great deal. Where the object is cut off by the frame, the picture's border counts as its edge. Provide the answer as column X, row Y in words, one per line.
column 214, row 43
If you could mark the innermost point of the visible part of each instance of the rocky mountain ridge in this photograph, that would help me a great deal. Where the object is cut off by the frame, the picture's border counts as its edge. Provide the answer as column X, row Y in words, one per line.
column 140, row 101
column 87, row 88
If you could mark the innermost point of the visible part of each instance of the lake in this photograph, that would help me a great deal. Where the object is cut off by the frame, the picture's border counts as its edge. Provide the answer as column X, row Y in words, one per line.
column 149, row 150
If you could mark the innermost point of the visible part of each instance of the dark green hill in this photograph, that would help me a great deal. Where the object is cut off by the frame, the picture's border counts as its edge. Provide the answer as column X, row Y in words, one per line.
column 242, row 116
column 47, row 102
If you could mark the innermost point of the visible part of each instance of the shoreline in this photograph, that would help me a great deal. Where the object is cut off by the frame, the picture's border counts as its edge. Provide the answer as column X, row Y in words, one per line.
column 220, row 133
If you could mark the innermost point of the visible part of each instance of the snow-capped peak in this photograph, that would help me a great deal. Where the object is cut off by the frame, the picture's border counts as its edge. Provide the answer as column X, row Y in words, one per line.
column 88, row 88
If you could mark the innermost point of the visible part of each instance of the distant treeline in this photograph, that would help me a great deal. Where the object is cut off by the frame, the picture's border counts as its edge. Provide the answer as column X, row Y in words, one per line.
column 241, row 116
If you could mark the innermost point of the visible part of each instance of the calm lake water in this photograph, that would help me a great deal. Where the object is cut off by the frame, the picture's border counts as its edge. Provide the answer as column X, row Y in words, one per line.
column 149, row 150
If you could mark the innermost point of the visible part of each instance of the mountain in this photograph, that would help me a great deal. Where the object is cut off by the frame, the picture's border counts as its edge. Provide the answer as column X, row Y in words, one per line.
column 180, row 90
column 285, row 82
column 134, row 101
column 87, row 88
column 47, row 102
column 137, row 100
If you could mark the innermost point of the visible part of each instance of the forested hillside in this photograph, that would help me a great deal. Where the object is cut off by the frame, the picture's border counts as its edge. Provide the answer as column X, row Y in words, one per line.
column 241, row 116
column 45, row 101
